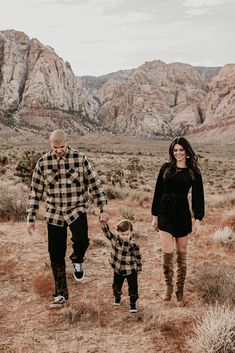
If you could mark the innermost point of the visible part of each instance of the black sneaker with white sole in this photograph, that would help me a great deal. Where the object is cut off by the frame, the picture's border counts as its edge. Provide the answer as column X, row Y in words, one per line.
column 117, row 301
column 133, row 308
column 78, row 271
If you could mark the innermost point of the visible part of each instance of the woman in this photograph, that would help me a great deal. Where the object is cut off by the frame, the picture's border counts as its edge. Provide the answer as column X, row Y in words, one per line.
column 171, row 213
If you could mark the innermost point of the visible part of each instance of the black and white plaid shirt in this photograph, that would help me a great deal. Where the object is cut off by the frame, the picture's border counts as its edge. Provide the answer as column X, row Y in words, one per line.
column 67, row 182
column 125, row 254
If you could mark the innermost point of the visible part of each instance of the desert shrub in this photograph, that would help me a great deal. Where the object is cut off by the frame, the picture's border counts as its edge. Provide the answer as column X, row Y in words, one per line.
column 215, row 332
column 127, row 213
column 134, row 166
column 151, row 319
column 224, row 200
column 114, row 193
column 103, row 179
column 7, row 268
column 131, row 179
column 43, row 283
column 3, row 161
column 85, row 312
column 26, row 164
column 230, row 215
column 115, row 176
column 225, row 236
column 99, row 242
column 13, row 203
column 147, row 188
column 156, row 320
column 215, row 283
column 140, row 197
column 133, row 185
column 2, row 170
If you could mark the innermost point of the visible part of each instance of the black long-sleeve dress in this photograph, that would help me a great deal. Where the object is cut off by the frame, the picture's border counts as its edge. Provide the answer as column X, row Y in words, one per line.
column 170, row 201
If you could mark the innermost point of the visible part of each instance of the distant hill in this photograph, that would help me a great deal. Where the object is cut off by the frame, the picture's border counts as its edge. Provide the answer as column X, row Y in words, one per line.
column 39, row 91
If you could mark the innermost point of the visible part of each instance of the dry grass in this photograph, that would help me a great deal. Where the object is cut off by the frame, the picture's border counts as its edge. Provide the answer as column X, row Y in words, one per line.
column 127, row 213
column 215, row 283
column 224, row 200
column 13, row 202
column 215, row 332
column 43, row 284
column 85, row 312
column 91, row 324
column 114, row 193
column 225, row 236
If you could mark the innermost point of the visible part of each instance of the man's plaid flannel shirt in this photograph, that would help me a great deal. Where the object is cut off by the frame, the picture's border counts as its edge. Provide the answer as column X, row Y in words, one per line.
column 125, row 254
column 67, row 182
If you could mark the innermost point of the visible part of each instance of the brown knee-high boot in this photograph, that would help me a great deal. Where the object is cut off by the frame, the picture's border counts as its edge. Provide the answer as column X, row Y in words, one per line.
column 181, row 260
column 168, row 273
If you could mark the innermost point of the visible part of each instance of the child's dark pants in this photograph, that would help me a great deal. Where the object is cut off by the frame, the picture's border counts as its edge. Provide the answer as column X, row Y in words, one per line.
column 118, row 280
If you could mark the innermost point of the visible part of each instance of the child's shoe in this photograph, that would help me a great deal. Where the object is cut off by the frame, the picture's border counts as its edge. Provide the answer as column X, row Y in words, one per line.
column 133, row 308
column 117, row 301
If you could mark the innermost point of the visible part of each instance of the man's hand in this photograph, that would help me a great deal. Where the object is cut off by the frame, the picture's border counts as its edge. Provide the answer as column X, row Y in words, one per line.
column 30, row 228
column 103, row 217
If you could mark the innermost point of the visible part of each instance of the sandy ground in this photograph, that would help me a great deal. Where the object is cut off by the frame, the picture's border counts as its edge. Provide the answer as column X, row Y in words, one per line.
column 90, row 323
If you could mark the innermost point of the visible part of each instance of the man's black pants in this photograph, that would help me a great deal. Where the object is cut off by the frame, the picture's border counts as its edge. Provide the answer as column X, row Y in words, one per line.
column 132, row 280
column 57, row 245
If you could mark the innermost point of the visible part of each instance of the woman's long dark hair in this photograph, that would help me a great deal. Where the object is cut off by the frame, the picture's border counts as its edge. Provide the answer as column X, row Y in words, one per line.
column 191, row 157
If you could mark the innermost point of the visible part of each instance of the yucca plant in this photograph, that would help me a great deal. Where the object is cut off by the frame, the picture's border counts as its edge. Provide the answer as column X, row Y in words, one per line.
column 225, row 236
column 215, row 332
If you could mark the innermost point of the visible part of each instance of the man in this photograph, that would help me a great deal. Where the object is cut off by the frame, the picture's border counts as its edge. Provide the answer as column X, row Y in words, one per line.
column 65, row 177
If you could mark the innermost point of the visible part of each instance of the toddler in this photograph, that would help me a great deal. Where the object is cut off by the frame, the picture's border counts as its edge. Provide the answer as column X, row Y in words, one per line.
column 125, row 260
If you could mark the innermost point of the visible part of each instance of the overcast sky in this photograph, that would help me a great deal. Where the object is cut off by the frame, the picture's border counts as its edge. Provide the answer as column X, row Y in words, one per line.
column 103, row 36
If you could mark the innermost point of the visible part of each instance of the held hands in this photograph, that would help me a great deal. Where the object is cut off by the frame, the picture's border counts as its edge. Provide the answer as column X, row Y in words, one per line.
column 103, row 217
column 196, row 228
column 155, row 224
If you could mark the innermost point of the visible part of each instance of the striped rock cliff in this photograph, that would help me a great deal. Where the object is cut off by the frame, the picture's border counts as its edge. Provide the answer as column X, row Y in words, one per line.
column 37, row 88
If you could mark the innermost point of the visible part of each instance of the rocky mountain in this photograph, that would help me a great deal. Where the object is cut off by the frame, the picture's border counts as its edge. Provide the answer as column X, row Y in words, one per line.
column 164, row 100
column 219, row 103
column 218, row 108
column 156, row 99
column 94, row 83
column 207, row 73
column 38, row 90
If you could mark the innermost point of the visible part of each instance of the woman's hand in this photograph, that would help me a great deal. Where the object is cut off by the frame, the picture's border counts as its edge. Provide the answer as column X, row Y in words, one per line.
column 196, row 228
column 155, row 224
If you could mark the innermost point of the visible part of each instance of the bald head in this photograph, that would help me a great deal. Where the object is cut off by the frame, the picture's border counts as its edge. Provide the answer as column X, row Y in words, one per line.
column 58, row 136
column 59, row 142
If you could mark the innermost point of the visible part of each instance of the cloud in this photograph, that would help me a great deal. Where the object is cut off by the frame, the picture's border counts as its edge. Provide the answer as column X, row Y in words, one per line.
column 118, row 7
column 196, row 12
column 204, row 3
column 134, row 9
column 201, row 7
column 64, row 2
